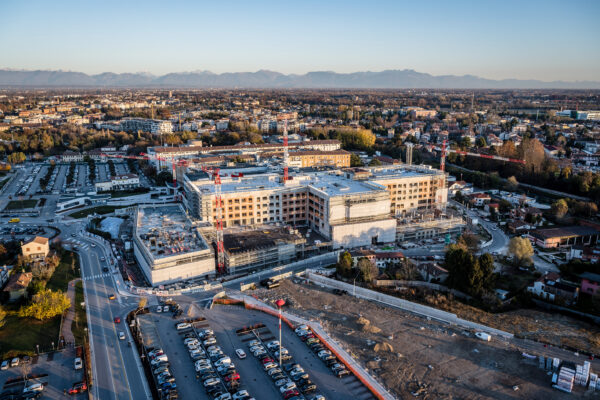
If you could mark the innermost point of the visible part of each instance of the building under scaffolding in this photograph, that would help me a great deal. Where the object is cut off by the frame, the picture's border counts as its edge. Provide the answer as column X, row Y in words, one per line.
column 428, row 226
column 260, row 249
column 168, row 246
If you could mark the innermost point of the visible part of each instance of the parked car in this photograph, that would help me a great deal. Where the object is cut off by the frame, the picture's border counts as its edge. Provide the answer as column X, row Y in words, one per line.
column 78, row 364
column 240, row 353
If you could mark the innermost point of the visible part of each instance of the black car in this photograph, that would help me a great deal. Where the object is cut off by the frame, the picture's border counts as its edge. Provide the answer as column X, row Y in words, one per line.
column 303, row 381
column 105, row 269
column 289, row 367
column 309, row 388
column 332, row 361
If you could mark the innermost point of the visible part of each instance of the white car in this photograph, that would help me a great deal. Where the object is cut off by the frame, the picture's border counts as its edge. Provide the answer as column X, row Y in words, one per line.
column 301, row 328
column 211, row 382
column 5, row 365
column 158, row 309
column 34, row 387
column 223, row 360
column 122, row 335
column 14, row 362
column 240, row 353
column 273, row 345
column 269, row 365
column 288, row 386
column 209, row 341
column 187, row 341
column 183, row 325
column 253, row 343
column 255, row 348
column 78, row 363
column 282, row 382
column 242, row 394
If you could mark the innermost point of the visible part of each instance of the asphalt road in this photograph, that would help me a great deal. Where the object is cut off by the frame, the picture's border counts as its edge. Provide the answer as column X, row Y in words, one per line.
column 116, row 372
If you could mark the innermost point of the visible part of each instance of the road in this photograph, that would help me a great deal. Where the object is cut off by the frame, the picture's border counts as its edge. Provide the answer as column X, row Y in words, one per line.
column 117, row 371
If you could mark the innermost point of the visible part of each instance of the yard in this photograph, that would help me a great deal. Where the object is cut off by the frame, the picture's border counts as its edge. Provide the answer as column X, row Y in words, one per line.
column 67, row 270
column 80, row 320
column 21, row 335
column 21, row 204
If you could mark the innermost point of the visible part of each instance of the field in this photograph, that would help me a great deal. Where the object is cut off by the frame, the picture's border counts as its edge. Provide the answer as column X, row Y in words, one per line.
column 21, row 335
column 96, row 210
column 21, row 204
column 416, row 357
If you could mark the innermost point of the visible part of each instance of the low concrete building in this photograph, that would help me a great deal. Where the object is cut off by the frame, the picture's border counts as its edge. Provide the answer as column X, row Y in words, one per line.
column 119, row 182
column 565, row 236
column 37, row 249
column 168, row 246
column 17, row 285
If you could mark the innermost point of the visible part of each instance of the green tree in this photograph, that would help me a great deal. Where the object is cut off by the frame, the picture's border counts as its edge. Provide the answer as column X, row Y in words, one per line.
column 486, row 264
column 560, row 208
column 355, row 161
column 368, row 270
column 464, row 272
column 46, row 304
column 521, row 250
column 480, row 142
column 375, row 162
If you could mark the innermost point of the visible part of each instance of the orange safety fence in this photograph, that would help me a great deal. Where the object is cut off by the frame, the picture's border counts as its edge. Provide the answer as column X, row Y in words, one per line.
column 228, row 302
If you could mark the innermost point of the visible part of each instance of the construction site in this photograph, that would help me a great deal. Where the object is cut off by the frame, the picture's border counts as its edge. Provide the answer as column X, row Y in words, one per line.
column 168, row 246
column 414, row 356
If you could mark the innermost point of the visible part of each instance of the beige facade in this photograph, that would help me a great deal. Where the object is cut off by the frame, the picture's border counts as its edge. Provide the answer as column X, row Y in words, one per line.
column 37, row 249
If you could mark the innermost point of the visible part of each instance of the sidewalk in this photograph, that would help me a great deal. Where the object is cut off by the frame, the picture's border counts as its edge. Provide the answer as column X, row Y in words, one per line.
column 68, row 320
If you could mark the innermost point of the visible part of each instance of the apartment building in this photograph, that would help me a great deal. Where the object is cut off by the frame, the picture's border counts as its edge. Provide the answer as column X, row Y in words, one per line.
column 308, row 159
column 155, row 126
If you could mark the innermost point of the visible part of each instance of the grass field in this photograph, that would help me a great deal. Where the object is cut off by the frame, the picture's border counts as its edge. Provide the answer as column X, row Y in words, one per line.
column 80, row 321
column 96, row 210
column 64, row 273
column 21, row 204
column 21, row 335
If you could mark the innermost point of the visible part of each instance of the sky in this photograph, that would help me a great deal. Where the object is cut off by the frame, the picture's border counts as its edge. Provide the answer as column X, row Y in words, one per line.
column 546, row 40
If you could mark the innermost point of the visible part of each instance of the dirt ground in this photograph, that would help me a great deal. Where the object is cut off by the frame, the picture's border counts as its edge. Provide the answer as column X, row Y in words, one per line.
column 417, row 357
column 551, row 328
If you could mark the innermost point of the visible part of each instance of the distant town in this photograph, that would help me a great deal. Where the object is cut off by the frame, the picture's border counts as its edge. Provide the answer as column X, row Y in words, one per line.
column 434, row 243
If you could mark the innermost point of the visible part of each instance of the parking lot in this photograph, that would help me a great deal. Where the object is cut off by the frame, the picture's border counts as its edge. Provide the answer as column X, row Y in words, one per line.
column 56, row 371
column 228, row 323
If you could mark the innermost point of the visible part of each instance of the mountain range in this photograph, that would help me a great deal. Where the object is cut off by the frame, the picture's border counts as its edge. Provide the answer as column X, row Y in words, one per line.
column 388, row 79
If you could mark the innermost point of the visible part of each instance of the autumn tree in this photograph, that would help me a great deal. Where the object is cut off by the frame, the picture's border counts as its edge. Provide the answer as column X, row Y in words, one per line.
column 560, row 208
column 512, row 184
column 368, row 270
column 521, row 250
column 532, row 151
column 46, row 304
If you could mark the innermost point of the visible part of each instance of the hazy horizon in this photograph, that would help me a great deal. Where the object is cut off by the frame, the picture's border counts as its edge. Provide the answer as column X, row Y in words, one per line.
column 543, row 40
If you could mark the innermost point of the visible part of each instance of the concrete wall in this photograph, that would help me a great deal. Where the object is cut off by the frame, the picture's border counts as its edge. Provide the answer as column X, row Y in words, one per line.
column 404, row 305
column 360, row 234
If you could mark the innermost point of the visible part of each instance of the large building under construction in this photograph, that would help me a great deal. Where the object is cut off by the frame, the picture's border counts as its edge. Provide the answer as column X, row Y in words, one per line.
column 349, row 207
column 168, row 246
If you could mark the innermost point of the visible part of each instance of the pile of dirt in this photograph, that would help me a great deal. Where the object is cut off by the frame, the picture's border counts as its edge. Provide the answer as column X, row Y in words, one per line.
column 384, row 346
column 366, row 325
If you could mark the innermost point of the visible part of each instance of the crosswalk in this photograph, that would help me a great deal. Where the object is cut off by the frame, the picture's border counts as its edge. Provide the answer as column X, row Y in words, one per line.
column 97, row 276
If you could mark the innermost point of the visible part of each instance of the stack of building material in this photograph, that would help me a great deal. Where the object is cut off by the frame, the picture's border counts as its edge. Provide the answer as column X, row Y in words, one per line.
column 594, row 383
column 566, row 378
column 555, row 364
column 582, row 374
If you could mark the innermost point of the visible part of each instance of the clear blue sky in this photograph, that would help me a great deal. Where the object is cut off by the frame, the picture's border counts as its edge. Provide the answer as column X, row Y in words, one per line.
column 544, row 40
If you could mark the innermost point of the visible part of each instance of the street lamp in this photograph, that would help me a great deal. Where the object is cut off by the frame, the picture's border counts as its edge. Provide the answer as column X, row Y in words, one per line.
column 280, row 304
column 354, row 283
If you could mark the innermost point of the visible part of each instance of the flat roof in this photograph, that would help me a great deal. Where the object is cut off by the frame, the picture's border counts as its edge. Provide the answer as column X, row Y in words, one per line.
column 331, row 184
column 166, row 231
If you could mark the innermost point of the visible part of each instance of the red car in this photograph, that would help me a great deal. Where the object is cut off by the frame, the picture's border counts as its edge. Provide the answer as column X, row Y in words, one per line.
column 78, row 388
column 267, row 360
column 232, row 377
column 291, row 393
column 306, row 337
column 117, row 320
